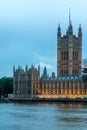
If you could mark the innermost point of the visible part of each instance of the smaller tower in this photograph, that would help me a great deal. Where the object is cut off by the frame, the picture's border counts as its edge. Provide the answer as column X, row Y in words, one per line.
column 45, row 72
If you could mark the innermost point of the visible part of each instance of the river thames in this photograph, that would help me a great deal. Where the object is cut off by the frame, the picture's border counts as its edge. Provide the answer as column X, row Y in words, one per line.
column 14, row 116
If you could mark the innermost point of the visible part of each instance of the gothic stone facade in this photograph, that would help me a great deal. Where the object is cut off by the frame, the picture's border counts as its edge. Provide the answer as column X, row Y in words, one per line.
column 69, row 52
column 29, row 84
column 69, row 81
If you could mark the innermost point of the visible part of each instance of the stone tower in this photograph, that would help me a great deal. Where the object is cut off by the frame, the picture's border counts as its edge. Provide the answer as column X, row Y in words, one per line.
column 69, row 51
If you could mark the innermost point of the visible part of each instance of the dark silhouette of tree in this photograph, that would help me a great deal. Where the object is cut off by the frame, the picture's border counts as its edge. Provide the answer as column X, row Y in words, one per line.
column 6, row 86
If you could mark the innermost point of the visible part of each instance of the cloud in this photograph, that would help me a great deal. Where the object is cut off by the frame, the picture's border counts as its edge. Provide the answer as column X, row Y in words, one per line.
column 48, row 61
column 42, row 65
column 50, row 67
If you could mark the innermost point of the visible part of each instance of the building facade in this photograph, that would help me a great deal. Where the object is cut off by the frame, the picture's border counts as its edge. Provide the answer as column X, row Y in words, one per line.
column 69, row 83
column 69, row 52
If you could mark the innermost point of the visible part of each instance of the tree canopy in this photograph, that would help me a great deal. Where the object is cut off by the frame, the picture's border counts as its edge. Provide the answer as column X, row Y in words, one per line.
column 6, row 86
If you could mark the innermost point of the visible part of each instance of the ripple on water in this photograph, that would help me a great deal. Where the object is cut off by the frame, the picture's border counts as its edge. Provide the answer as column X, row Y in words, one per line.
column 43, row 117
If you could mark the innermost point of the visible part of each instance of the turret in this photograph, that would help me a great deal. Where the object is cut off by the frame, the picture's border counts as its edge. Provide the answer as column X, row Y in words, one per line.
column 80, row 31
column 39, row 69
column 32, row 67
column 59, row 31
column 13, row 69
column 53, row 75
column 26, row 68
column 45, row 72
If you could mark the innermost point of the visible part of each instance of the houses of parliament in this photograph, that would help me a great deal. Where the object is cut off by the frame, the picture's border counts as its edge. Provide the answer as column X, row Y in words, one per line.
column 71, row 79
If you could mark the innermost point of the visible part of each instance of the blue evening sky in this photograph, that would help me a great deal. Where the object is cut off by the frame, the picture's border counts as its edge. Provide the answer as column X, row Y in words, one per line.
column 28, row 31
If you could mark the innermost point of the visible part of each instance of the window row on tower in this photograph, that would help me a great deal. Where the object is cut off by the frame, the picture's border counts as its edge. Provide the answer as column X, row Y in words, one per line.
column 65, row 55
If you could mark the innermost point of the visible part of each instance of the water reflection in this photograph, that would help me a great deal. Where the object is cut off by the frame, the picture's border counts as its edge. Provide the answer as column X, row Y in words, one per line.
column 43, row 116
column 72, row 119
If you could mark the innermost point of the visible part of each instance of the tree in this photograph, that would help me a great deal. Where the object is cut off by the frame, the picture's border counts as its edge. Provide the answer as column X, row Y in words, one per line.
column 6, row 86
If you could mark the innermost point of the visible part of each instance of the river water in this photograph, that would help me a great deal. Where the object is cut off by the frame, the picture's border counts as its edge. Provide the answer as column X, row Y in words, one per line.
column 14, row 116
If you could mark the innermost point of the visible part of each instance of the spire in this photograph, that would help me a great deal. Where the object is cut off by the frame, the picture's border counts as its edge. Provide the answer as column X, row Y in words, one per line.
column 13, row 68
column 32, row 66
column 26, row 67
column 59, row 31
column 69, row 17
column 80, row 31
column 80, row 27
column 39, row 68
column 45, row 72
column 70, row 28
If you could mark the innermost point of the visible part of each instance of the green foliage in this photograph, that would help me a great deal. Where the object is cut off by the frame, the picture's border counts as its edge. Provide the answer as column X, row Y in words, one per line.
column 6, row 86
